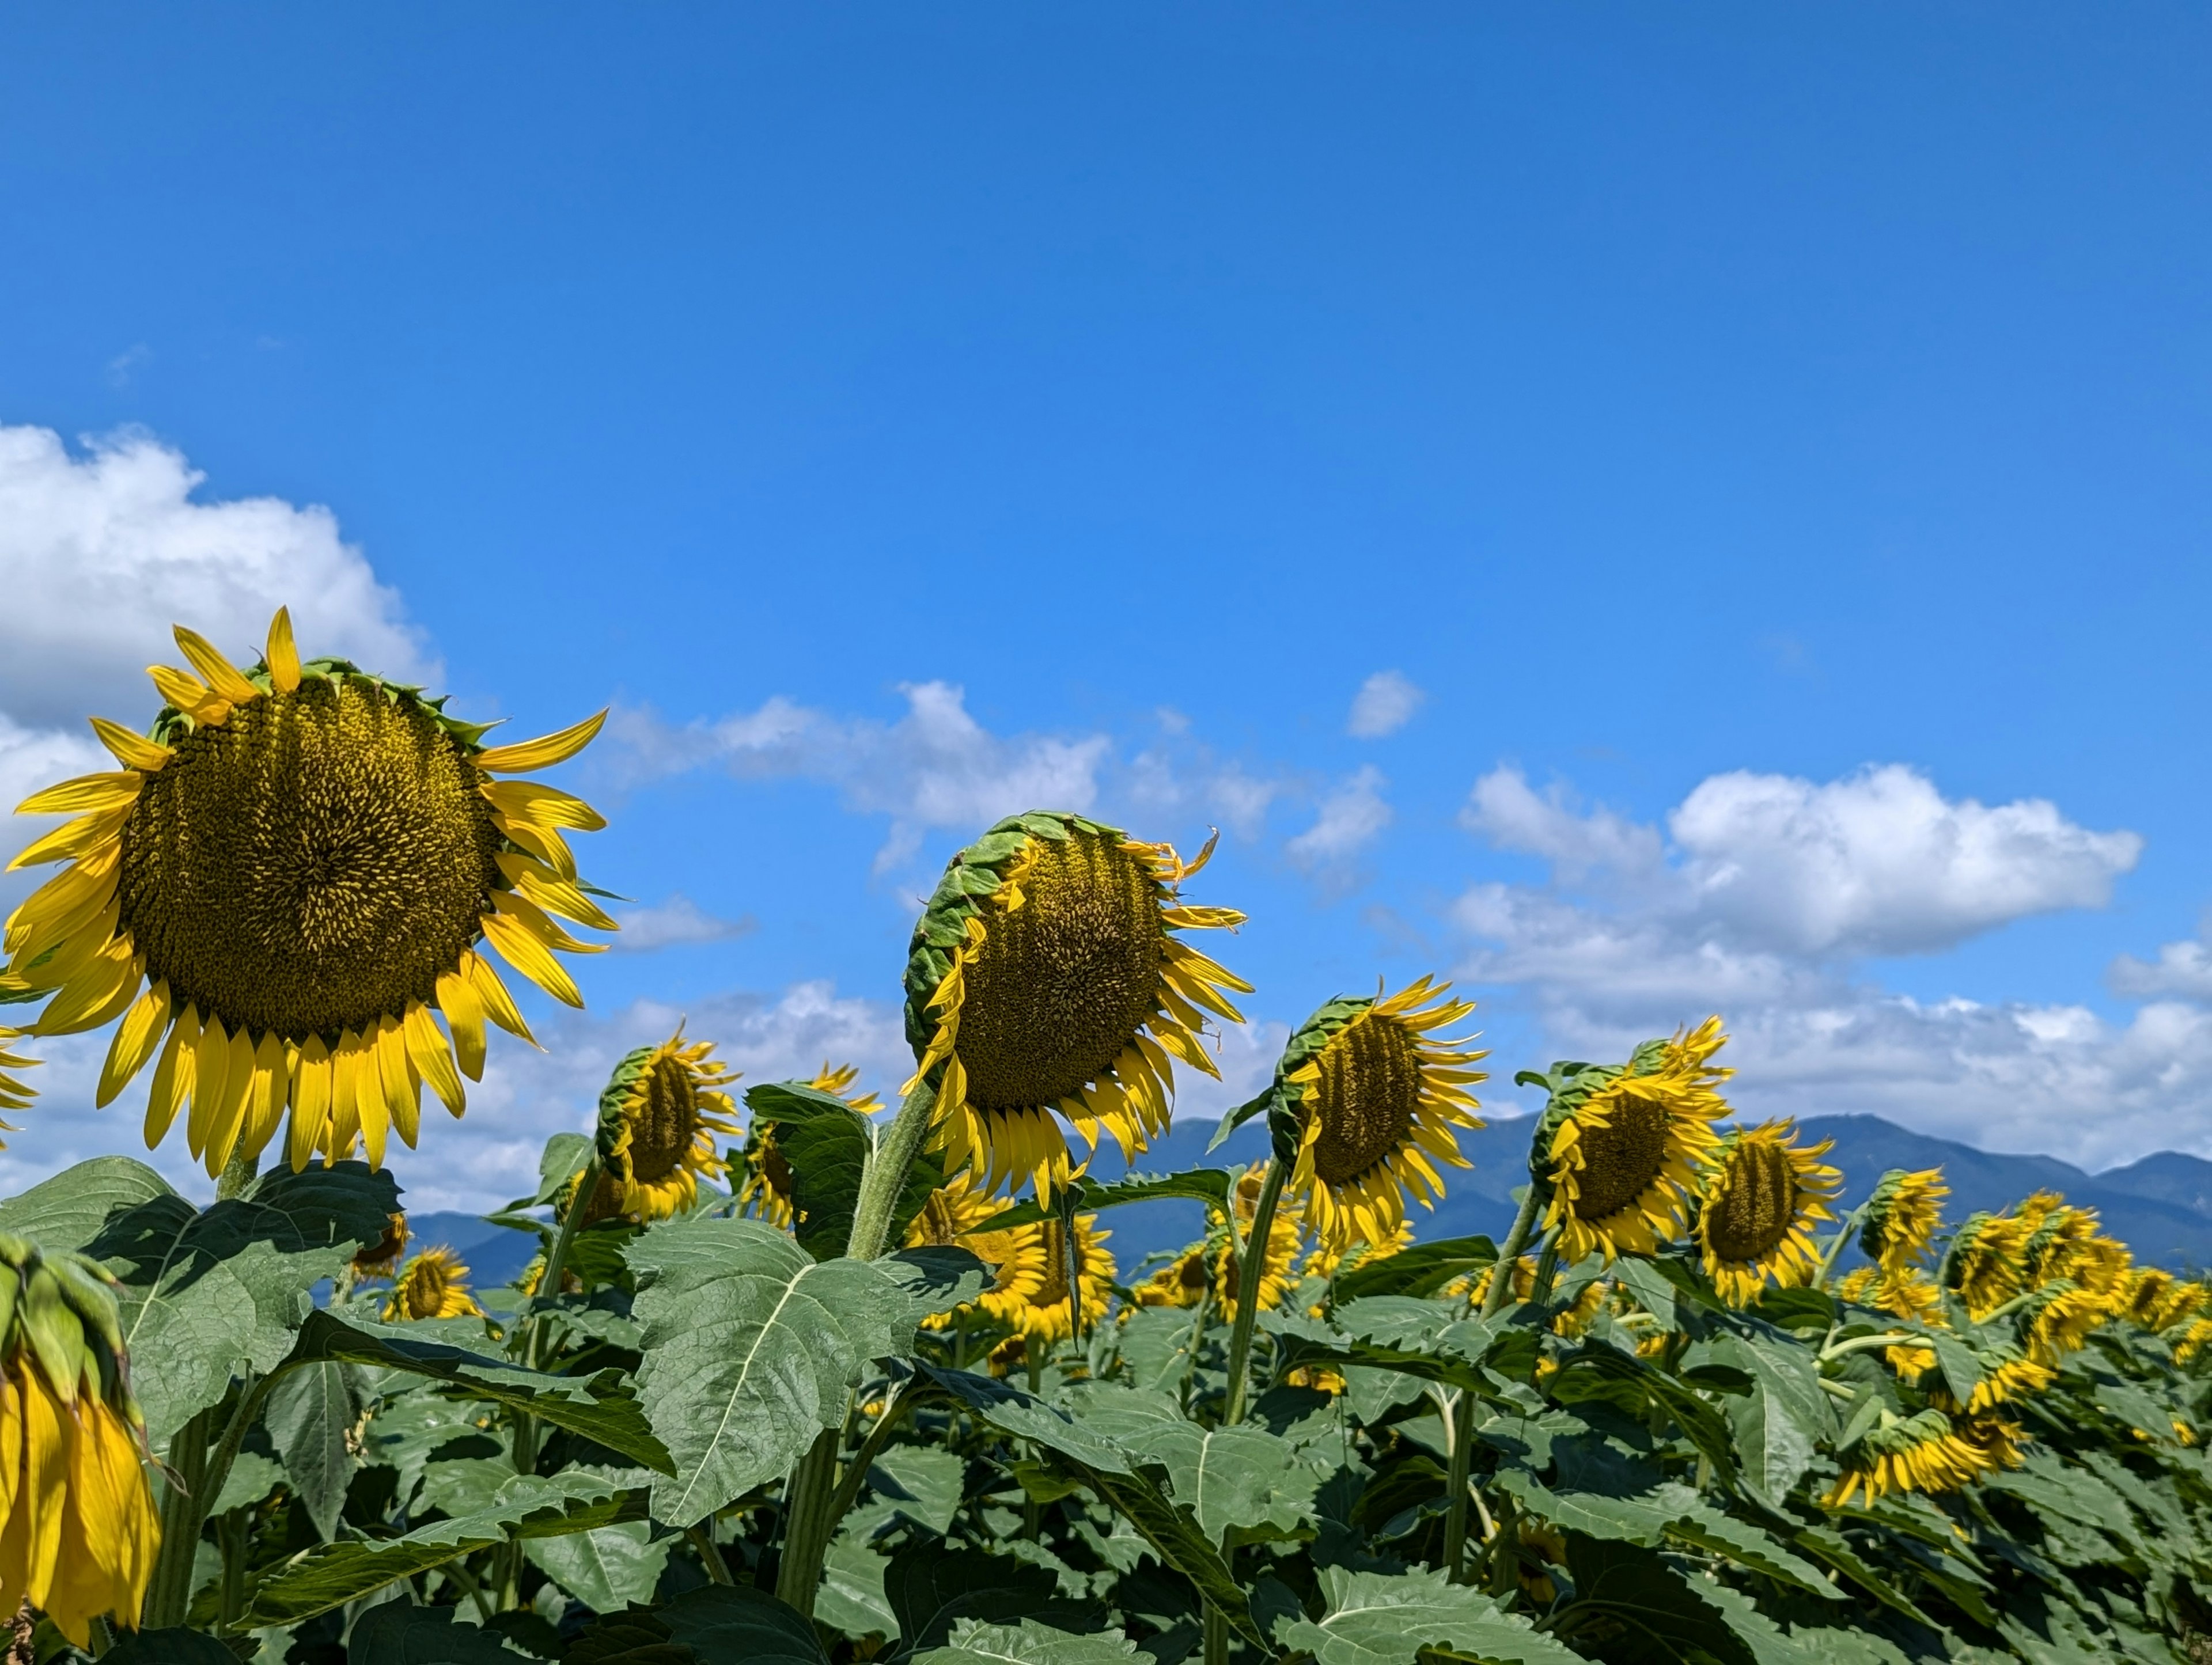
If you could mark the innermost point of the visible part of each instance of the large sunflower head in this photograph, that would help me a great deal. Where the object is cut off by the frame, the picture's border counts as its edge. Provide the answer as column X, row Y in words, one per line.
column 78, row 1529
column 1282, row 1250
column 1755, row 1220
column 381, row 1258
column 291, row 879
column 434, row 1284
column 766, row 1191
column 1377, row 1096
column 1903, row 1217
column 1618, row 1150
column 658, row 1119
column 1927, row 1452
column 1049, row 974
column 2065, row 1242
column 1985, row 1265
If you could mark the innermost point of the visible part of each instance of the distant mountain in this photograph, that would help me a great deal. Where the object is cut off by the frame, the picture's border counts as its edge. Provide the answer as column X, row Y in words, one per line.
column 494, row 1254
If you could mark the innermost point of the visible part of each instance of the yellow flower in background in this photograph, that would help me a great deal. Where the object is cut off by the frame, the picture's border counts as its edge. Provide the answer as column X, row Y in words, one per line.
column 1184, row 1281
column 1764, row 1197
column 1986, row 1264
column 1621, row 1162
column 381, row 1258
column 1379, row 1098
column 14, row 1095
column 2006, row 1376
column 2158, row 1300
column 1323, row 1261
column 1031, row 1293
column 1925, row 1452
column 951, row 1215
column 766, row 1190
column 1477, row 1290
column 658, row 1119
column 2192, row 1341
column 1903, row 1217
column 1049, row 978
column 290, row 880
column 2061, row 1319
column 78, row 1529
column 433, row 1284
column 1282, row 1251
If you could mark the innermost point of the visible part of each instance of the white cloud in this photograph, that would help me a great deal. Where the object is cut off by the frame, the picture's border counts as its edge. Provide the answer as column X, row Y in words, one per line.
column 99, row 553
column 2183, row 969
column 1759, row 902
column 1350, row 819
column 1385, row 703
column 676, row 921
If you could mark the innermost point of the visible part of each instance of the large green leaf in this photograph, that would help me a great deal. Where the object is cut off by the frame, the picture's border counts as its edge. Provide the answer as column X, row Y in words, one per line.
column 1376, row 1619
column 208, row 1294
column 607, row 1568
column 851, row 1595
column 1243, row 1480
column 599, row 1407
column 168, row 1647
column 1640, row 1611
column 310, row 1416
column 1596, row 1371
column 1651, row 1514
column 401, row 1633
column 1029, row 1644
column 751, row 1347
column 1207, row 1185
column 526, row 1506
column 935, row 1279
column 1422, row 1269
column 717, row 1624
column 930, row 1588
column 1776, row 1425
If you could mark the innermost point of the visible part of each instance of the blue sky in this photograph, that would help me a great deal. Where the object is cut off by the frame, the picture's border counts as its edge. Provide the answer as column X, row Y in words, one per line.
column 1691, row 411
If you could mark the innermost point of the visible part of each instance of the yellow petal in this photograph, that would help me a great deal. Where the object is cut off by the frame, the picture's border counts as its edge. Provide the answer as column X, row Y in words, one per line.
column 95, row 995
column 189, row 694
column 548, row 846
column 433, row 1058
column 173, row 1076
column 74, row 837
column 345, row 1098
column 499, row 1005
column 86, row 792
column 311, row 1107
column 132, row 751
column 403, row 1087
column 464, row 1016
column 211, row 1068
column 229, row 1118
column 532, row 918
column 272, row 1086
column 526, row 754
column 135, row 1040
column 533, row 879
column 283, row 656
column 542, row 806
column 530, row 957
column 223, row 678
column 369, row 1101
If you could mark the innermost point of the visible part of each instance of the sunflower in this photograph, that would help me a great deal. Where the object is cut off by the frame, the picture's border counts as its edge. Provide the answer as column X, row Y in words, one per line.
column 1182, row 1282
column 1984, row 1265
column 2006, row 1375
column 2060, row 1318
column 78, row 1529
column 1047, row 975
column 658, row 1119
column 381, row 1258
column 2193, row 1340
column 433, row 1284
column 1378, row 1098
column 2158, row 1300
column 1618, row 1150
column 766, row 1190
column 948, row 1218
column 2064, row 1242
column 1903, row 1217
column 1282, row 1251
column 1323, row 1261
column 14, row 1095
column 289, row 878
column 1030, row 1292
column 1923, row 1452
column 1759, row 1206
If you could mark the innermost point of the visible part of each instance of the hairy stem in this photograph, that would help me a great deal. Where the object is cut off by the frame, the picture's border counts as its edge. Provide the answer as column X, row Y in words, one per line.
column 808, row 1522
column 885, row 1175
column 1250, row 1268
column 1509, row 1254
column 1461, row 1425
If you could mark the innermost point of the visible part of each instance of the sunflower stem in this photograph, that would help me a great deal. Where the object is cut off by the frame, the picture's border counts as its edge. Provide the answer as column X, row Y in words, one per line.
column 1868, row 1343
column 702, row 1535
column 1509, row 1255
column 1845, row 1233
column 885, row 1175
column 237, row 1173
column 1547, row 1271
column 1071, row 1263
column 1249, row 1270
column 807, row 1524
column 1461, row 1425
column 530, row 1335
column 185, row 1486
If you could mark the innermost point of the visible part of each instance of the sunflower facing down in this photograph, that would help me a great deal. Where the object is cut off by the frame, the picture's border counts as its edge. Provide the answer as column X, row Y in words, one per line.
column 1756, row 1220
column 1924, row 1452
column 1047, row 975
column 658, row 1119
column 13, row 1094
column 290, row 880
column 2006, row 1376
column 434, row 1284
column 1620, row 1150
column 381, row 1258
column 1379, row 1098
column 1182, row 1282
column 765, row 1192
column 1903, row 1217
column 78, row 1529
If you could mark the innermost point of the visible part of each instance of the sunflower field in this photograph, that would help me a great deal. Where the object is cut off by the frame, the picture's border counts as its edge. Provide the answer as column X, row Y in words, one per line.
column 798, row 1377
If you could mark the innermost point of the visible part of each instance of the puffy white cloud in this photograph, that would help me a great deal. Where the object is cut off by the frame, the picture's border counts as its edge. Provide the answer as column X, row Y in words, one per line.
column 1759, row 900
column 1350, row 819
column 677, row 921
column 1385, row 703
column 100, row 552
column 2183, row 969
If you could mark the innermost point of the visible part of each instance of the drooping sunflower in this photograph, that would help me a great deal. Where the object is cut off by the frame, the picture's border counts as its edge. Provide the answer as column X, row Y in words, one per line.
column 1184, row 1281
column 381, row 1258
column 291, row 879
column 2006, row 1375
column 1618, row 1150
column 2060, row 1318
column 1282, row 1250
column 1030, row 1295
column 433, row 1284
column 2193, row 1340
column 1903, row 1217
column 13, row 1094
column 78, row 1529
column 1048, row 977
column 2158, row 1300
column 1926, row 1451
column 765, row 1192
column 1755, row 1221
column 1379, row 1098
column 658, row 1119
column 1986, row 1267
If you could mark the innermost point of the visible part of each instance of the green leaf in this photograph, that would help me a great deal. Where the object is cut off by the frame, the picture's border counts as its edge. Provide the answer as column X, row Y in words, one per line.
column 1597, row 1371
column 208, row 1294
column 851, row 1595
column 606, row 1568
column 1207, row 1185
column 751, row 1347
column 827, row 1143
column 562, row 1159
column 922, row 1482
column 526, row 1506
column 1648, row 1611
column 1377, row 1618
column 1241, row 1481
column 1423, row 1269
column 935, row 1279
column 598, row 1408
column 1243, row 1114
column 168, row 1647
column 252, row 1477
column 1836, row 1549
column 1012, row 1411
column 401, row 1633
column 1776, row 1425
column 929, row 1587
column 1029, row 1644
column 727, row 1625
column 309, row 1414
